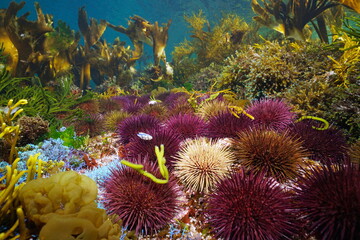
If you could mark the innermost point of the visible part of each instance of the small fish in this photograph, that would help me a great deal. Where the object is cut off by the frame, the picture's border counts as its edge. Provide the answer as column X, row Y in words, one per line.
column 6, row 110
column 144, row 136
column 169, row 69
column 62, row 129
column 152, row 102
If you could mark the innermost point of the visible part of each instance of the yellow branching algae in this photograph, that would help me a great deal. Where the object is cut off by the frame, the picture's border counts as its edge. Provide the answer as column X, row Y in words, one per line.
column 11, row 213
column 9, row 133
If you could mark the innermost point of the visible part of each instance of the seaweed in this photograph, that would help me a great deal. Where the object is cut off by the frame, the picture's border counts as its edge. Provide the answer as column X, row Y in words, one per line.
column 208, row 44
column 43, row 101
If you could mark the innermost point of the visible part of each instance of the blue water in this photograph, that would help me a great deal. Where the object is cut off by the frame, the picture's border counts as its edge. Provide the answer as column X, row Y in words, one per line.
column 118, row 12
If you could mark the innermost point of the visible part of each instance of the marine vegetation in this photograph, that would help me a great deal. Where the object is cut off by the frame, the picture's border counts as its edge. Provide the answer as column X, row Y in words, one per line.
column 141, row 31
column 267, row 69
column 92, row 34
column 12, row 214
column 252, row 134
column 47, row 102
column 208, row 44
column 161, row 160
column 68, row 199
column 34, row 48
column 291, row 17
column 10, row 132
column 31, row 129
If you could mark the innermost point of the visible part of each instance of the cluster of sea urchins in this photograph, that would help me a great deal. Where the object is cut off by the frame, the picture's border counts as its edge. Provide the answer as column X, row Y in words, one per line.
column 254, row 184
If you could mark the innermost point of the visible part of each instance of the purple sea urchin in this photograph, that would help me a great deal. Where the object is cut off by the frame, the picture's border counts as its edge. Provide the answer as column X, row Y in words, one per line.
column 278, row 154
column 139, row 147
column 323, row 145
column 329, row 200
column 173, row 99
column 271, row 113
column 186, row 125
column 226, row 125
column 249, row 206
column 202, row 163
column 354, row 152
column 142, row 205
column 132, row 125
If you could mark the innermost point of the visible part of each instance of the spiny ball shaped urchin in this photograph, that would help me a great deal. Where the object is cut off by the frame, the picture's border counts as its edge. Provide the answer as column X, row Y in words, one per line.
column 212, row 108
column 202, row 163
column 327, row 145
column 328, row 198
column 143, row 205
column 91, row 124
column 108, row 105
column 89, row 107
column 186, row 125
column 130, row 103
column 354, row 152
column 113, row 119
column 157, row 110
column 132, row 125
column 225, row 125
column 273, row 114
column 141, row 147
column 251, row 206
column 279, row 155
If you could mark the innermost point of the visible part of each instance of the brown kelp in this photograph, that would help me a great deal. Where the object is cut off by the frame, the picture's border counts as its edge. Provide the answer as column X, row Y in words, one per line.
column 291, row 17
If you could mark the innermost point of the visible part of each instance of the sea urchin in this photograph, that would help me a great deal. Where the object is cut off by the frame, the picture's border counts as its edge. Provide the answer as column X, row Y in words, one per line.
column 329, row 200
column 278, row 154
column 202, row 163
column 142, row 205
column 249, row 206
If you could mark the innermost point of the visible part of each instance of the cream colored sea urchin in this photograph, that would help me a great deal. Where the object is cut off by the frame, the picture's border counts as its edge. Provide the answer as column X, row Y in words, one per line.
column 202, row 163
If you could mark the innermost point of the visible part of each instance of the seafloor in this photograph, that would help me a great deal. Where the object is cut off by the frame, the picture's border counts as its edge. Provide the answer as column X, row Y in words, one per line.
column 246, row 129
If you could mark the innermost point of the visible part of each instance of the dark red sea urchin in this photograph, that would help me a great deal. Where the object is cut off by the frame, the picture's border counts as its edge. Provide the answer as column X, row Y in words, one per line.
column 186, row 125
column 141, row 148
column 323, row 145
column 329, row 200
column 143, row 205
column 132, row 125
column 273, row 114
column 248, row 206
column 226, row 125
